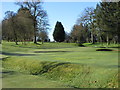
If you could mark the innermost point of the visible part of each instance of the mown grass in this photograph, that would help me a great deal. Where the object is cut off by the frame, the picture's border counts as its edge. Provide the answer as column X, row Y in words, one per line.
column 75, row 75
column 31, row 46
column 77, row 67
column 102, row 45
column 20, row 80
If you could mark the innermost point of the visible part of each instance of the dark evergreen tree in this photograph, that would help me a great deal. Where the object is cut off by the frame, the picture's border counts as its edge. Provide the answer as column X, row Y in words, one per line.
column 59, row 33
column 107, row 20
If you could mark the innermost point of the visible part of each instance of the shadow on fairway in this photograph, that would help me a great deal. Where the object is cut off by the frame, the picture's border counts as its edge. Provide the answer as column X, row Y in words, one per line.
column 49, row 51
column 110, row 66
column 114, row 66
column 6, row 73
column 16, row 54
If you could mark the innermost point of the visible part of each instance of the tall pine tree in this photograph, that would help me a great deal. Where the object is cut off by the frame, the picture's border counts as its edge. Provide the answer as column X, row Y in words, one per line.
column 59, row 33
column 107, row 19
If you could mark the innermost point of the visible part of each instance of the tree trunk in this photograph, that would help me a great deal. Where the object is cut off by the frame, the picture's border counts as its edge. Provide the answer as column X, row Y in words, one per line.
column 86, row 40
column 108, row 39
column 92, row 38
column 15, row 37
column 42, row 41
column 100, row 39
column 23, row 42
column 35, row 41
column 16, row 43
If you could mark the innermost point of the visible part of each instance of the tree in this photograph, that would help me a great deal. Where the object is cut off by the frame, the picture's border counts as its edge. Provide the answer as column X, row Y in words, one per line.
column 43, row 27
column 9, row 26
column 107, row 20
column 67, row 37
column 43, row 24
column 36, row 10
column 19, row 26
column 43, row 36
column 99, row 25
column 87, row 19
column 78, row 33
column 0, row 32
column 25, row 24
column 59, row 33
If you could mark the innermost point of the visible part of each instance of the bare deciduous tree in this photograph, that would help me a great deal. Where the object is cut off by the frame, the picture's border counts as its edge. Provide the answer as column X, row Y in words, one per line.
column 36, row 10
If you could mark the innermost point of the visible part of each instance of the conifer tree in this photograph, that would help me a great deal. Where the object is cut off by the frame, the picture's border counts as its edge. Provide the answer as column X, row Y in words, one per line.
column 59, row 33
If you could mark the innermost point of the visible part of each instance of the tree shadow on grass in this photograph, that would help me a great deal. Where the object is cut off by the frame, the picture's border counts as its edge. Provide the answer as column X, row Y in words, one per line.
column 113, row 66
column 16, row 54
column 6, row 73
column 49, row 51
column 2, row 58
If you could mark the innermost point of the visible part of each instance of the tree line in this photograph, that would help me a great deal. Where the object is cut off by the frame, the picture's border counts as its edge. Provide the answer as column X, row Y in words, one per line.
column 100, row 24
column 95, row 25
column 30, row 22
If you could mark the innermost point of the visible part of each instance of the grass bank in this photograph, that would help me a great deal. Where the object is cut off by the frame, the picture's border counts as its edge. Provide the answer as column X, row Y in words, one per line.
column 74, row 75
column 69, row 65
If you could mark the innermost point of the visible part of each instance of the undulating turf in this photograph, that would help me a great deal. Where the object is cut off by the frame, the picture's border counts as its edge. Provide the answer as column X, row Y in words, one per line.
column 61, row 64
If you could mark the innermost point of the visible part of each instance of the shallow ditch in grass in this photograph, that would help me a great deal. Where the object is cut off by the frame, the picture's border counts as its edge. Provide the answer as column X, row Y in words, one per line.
column 75, row 75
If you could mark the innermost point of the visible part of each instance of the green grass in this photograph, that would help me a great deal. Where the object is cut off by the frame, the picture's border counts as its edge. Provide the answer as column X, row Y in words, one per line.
column 102, row 45
column 15, row 80
column 65, row 63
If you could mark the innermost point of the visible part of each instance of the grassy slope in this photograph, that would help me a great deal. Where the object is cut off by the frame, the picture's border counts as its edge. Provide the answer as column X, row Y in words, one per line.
column 77, row 67
column 18, row 80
